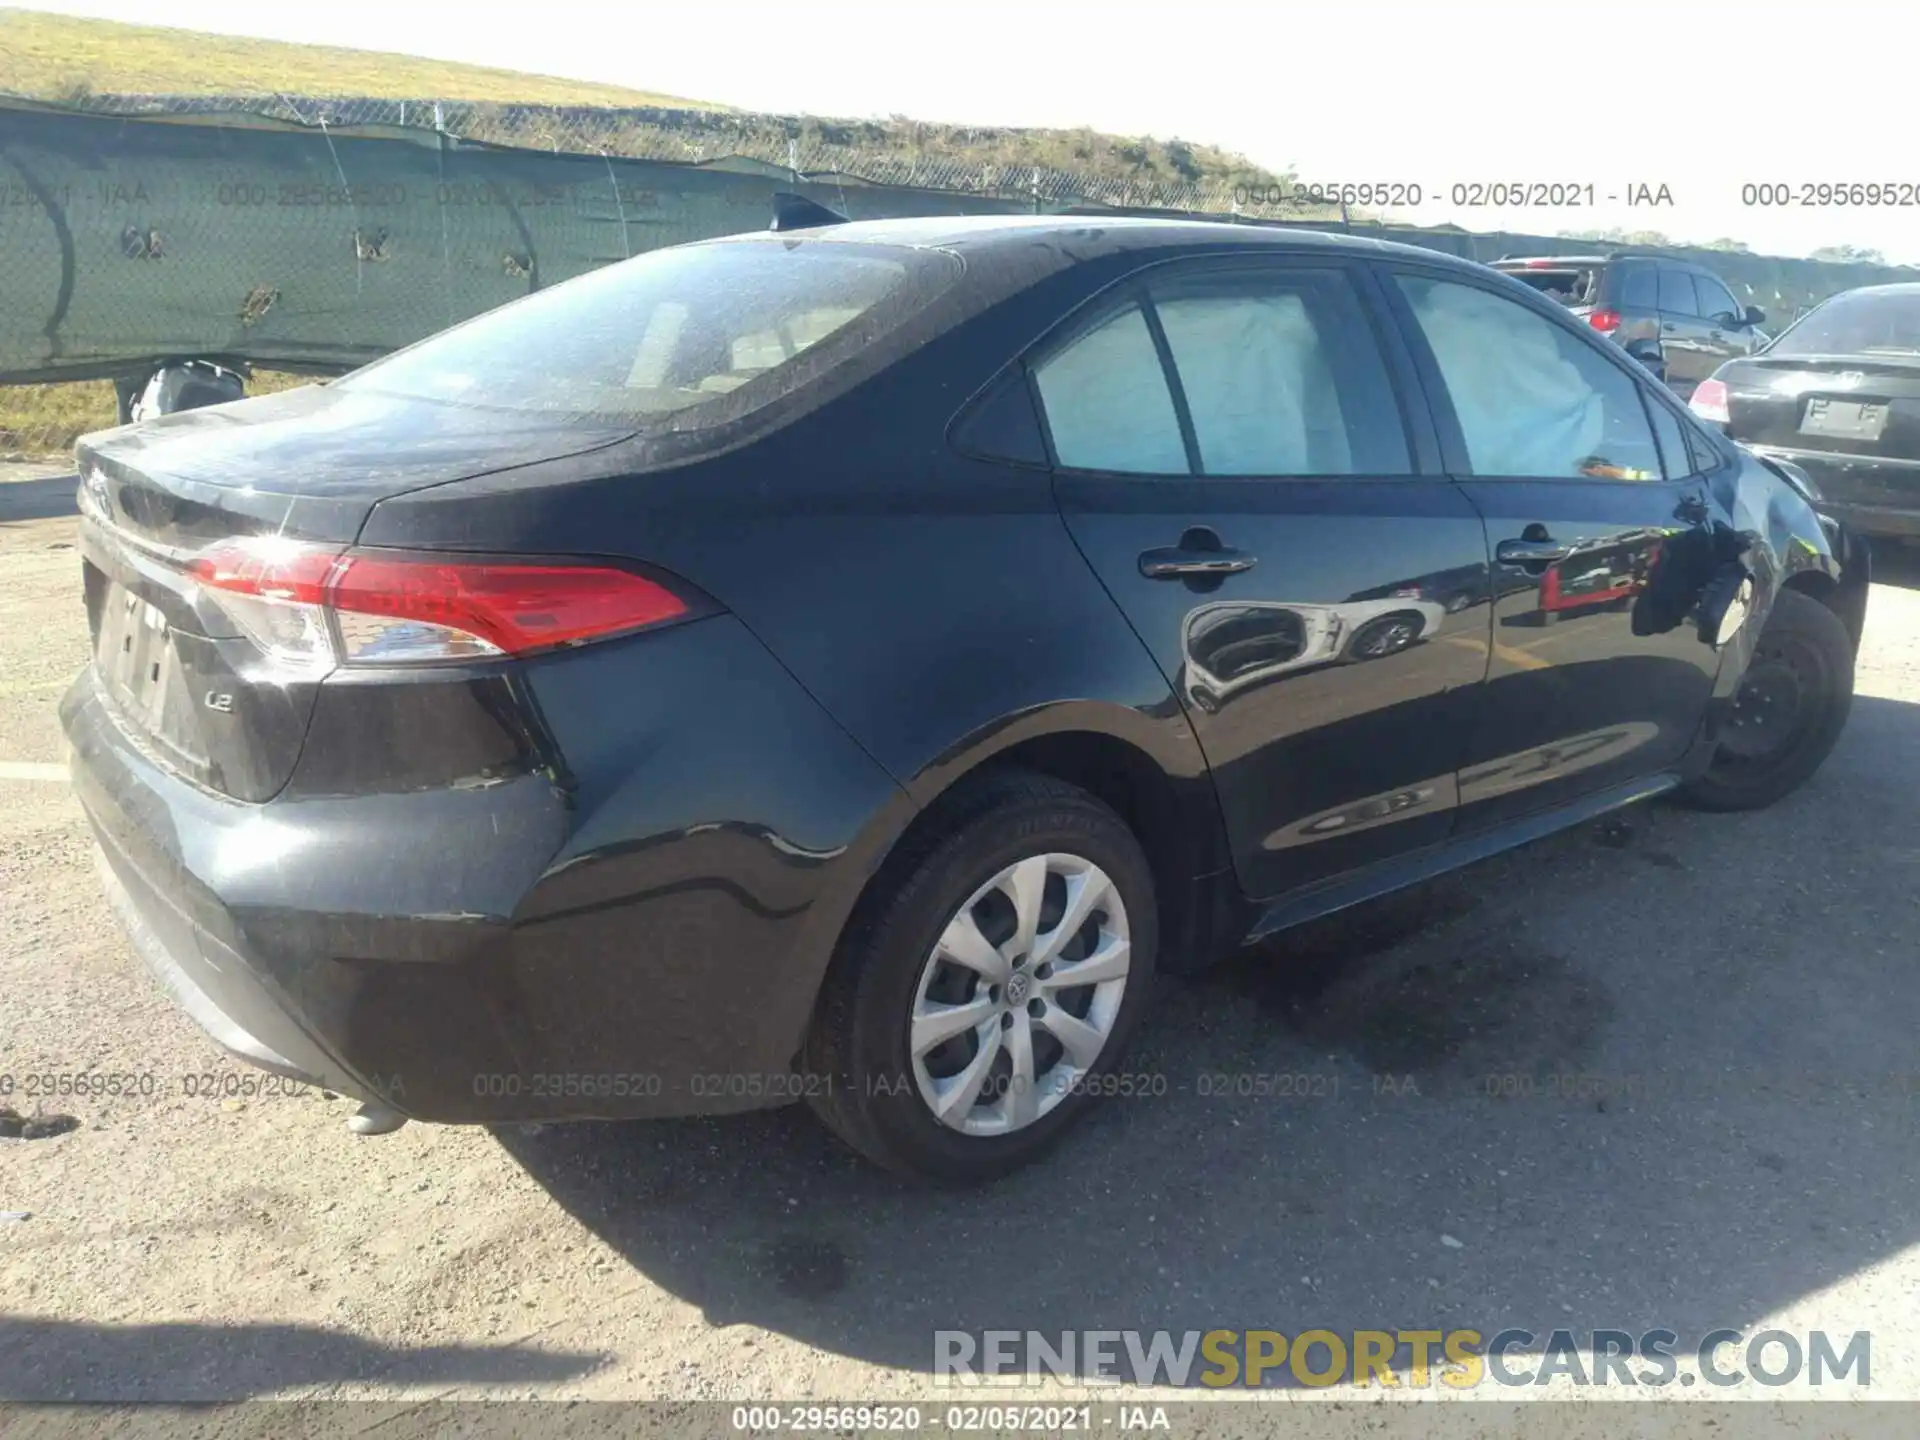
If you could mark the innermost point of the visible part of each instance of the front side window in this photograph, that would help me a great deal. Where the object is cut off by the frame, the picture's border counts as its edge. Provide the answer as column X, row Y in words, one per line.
column 1281, row 374
column 1716, row 300
column 1533, row 399
column 1107, row 401
column 663, row 338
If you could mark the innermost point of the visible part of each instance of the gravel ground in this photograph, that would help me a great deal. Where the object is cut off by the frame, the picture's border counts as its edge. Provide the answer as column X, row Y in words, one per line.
column 1738, row 992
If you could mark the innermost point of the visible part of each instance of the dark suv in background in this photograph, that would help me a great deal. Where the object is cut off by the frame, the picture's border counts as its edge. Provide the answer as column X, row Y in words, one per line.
column 1686, row 307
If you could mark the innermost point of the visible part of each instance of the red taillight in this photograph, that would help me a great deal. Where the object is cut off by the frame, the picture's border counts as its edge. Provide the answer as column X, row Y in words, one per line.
column 1604, row 320
column 315, row 606
column 266, row 567
column 1709, row 402
column 514, row 608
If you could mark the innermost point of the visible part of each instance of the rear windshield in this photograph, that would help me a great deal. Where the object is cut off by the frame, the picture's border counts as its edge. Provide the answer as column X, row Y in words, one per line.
column 1572, row 285
column 674, row 337
column 1862, row 322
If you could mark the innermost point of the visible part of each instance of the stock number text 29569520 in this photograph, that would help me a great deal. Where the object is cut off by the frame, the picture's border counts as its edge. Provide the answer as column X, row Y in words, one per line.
column 1831, row 194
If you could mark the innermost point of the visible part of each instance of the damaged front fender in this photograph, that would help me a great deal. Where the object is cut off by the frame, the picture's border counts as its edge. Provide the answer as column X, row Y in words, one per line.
column 1782, row 541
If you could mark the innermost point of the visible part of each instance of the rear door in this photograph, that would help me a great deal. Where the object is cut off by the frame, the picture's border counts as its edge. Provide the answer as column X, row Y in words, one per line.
column 1233, row 458
column 1683, row 333
column 1633, row 293
column 1593, row 680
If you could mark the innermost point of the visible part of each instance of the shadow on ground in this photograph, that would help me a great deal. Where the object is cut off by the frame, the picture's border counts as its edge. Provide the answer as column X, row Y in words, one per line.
column 1654, row 1072
column 1896, row 564
column 61, row 1360
column 44, row 499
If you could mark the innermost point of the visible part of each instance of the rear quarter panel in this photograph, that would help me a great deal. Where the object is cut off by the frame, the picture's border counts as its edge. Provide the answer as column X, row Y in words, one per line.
column 935, row 605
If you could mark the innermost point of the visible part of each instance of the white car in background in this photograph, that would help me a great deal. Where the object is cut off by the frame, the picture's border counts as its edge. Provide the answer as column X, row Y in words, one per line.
column 1232, row 645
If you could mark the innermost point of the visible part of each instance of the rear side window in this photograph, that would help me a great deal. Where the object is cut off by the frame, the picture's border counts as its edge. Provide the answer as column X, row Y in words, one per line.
column 1533, row 399
column 1281, row 374
column 1108, row 404
column 1640, row 288
column 665, row 339
column 1278, row 373
column 1676, row 293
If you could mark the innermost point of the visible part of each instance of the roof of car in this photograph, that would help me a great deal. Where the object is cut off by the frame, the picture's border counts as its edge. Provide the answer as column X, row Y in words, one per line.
column 980, row 232
column 1549, row 262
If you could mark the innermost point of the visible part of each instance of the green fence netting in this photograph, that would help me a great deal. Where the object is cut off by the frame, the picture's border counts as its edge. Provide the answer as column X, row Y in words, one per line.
column 126, row 239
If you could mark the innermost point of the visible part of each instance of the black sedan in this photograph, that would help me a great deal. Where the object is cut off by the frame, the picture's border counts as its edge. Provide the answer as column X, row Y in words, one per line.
column 1838, row 395
column 760, row 670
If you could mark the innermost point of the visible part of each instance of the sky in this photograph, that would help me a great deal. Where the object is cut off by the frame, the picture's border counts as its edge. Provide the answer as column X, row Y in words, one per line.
column 1701, row 97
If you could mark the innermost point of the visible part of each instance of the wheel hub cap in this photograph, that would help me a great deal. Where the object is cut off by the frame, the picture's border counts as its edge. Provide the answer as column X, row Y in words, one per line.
column 1020, row 995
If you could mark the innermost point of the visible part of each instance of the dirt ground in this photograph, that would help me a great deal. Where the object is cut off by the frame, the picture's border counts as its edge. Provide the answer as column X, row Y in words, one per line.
column 1737, row 993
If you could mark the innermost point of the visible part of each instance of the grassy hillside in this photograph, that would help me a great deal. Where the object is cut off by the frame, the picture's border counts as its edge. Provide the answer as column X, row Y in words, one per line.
column 41, row 420
column 62, row 58
column 59, row 56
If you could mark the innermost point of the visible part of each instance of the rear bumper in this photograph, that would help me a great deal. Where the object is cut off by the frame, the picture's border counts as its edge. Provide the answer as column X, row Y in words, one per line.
column 1872, row 495
column 499, row 951
column 243, row 913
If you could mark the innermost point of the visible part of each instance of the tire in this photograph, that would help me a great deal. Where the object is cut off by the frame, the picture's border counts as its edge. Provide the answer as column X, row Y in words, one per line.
column 872, row 1088
column 1789, row 711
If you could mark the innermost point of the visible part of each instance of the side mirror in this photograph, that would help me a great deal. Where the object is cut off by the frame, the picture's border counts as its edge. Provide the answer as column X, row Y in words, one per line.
column 1754, row 316
column 1647, row 350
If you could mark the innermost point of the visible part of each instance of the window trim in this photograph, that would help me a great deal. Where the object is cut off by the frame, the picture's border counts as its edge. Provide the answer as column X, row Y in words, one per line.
column 1703, row 278
column 1439, row 399
column 1650, row 405
column 1425, row 462
column 1691, row 426
column 1176, row 385
column 1123, row 295
column 1686, row 277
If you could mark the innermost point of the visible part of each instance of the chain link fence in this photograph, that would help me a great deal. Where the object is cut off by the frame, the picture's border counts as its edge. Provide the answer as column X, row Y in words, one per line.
column 295, row 235
column 319, row 232
column 965, row 161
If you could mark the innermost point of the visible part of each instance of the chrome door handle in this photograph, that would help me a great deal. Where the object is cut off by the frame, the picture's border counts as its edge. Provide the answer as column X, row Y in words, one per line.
column 1531, row 552
column 1171, row 564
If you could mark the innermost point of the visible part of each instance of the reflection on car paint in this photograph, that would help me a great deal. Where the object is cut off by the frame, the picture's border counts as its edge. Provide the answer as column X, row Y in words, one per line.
column 1555, row 761
column 1232, row 645
column 1439, row 793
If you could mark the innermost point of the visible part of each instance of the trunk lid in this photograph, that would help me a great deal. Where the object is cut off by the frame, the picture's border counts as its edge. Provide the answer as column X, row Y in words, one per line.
column 181, row 677
column 1867, row 405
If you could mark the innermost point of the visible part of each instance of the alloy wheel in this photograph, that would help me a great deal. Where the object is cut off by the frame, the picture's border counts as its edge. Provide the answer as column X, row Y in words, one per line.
column 1020, row 994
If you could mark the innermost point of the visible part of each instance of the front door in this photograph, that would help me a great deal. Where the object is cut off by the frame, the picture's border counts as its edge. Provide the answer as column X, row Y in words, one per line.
column 1233, row 459
column 1727, row 335
column 1598, row 531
